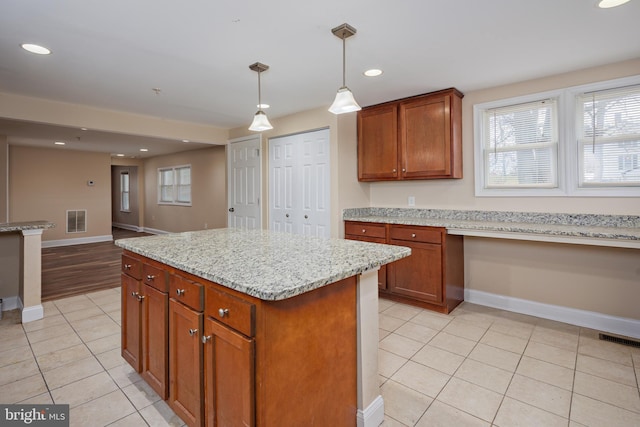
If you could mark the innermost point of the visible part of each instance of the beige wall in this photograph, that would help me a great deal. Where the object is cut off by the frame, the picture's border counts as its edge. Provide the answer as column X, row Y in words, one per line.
column 45, row 183
column 208, row 192
column 10, row 250
column 4, row 177
column 600, row 279
column 346, row 191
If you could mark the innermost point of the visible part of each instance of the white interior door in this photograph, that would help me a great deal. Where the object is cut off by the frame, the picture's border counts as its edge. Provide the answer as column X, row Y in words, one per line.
column 299, row 184
column 244, row 183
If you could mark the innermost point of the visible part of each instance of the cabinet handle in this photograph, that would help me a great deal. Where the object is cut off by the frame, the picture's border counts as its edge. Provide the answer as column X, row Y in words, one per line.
column 364, row 230
column 150, row 277
column 192, row 332
column 404, row 170
column 179, row 292
column 140, row 298
column 394, row 171
column 223, row 312
column 205, row 339
column 413, row 235
column 127, row 266
column 134, row 294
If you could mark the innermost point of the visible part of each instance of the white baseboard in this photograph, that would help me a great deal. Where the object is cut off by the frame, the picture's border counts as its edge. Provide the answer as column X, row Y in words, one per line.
column 127, row 226
column 35, row 312
column 154, row 231
column 76, row 241
column 588, row 319
column 372, row 415
column 11, row 303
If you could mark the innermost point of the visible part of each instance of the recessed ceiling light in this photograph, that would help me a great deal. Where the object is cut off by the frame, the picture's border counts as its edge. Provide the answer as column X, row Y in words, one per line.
column 374, row 72
column 261, row 106
column 606, row 4
column 34, row 48
column 144, row 149
column 185, row 140
column 59, row 143
column 83, row 129
column 120, row 155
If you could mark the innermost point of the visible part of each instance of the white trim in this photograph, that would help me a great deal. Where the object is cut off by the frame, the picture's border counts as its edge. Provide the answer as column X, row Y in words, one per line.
column 174, row 202
column 589, row 319
column 30, row 314
column 127, row 226
column 372, row 415
column 78, row 241
column 258, row 138
column 154, row 231
column 11, row 303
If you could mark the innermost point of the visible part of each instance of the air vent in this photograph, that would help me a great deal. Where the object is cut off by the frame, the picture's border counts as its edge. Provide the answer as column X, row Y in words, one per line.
column 77, row 221
column 619, row 340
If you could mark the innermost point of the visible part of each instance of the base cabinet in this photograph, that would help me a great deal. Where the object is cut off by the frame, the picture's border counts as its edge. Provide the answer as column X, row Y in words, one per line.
column 235, row 360
column 432, row 277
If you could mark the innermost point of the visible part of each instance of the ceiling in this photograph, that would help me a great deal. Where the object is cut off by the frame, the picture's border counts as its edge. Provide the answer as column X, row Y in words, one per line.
column 112, row 55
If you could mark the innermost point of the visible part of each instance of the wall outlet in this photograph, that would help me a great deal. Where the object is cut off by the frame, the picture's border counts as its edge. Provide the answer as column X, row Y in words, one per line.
column 412, row 200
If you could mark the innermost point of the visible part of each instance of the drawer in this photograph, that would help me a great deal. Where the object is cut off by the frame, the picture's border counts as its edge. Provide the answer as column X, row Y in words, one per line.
column 366, row 229
column 132, row 267
column 187, row 292
column 155, row 277
column 417, row 234
column 234, row 312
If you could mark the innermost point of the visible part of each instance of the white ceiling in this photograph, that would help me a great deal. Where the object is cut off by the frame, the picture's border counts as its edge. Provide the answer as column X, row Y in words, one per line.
column 111, row 54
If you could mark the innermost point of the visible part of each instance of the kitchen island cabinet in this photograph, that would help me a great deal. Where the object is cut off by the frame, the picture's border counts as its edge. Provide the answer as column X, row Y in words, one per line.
column 287, row 334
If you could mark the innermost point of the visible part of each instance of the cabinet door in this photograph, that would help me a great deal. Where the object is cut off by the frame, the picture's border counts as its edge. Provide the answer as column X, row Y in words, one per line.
column 185, row 363
column 155, row 339
column 378, row 143
column 131, row 326
column 229, row 376
column 382, row 273
column 425, row 137
column 418, row 276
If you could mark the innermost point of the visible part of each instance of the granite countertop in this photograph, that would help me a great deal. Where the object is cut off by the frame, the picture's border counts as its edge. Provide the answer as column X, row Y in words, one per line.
column 264, row 264
column 6, row 227
column 621, row 228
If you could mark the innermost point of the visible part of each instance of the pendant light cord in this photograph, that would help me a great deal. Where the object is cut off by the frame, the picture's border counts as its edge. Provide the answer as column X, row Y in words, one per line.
column 344, row 62
column 259, row 93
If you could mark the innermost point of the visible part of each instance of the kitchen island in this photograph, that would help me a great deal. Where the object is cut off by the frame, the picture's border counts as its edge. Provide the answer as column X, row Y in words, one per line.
column 252, row 327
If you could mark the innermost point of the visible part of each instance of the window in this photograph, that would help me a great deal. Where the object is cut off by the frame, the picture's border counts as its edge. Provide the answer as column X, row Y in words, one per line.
column 609, row 137
column 174, row 185
column 578, row 141
column 521, row 145
column 124, row 191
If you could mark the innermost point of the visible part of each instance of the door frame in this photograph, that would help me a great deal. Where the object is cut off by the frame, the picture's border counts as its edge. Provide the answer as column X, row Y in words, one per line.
column 258, row 139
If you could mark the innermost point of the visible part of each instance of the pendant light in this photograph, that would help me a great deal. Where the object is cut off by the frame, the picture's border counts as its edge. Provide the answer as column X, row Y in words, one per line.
column 260, row 120
column 344, row 102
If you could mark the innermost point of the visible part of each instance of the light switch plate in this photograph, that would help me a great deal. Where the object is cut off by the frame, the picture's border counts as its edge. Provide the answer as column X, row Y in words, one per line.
column 412, row 201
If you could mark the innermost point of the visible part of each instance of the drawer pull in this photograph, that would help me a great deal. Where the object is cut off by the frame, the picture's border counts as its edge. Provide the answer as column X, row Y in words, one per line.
column 413, row 235
column 134, row 294
column 192, row 332
column 364, row 230
column 394, row 171
column 179, row 292
column 127, row 266
column 404, row 170
column 205, row 339
column 223, row 312
column 150, row 277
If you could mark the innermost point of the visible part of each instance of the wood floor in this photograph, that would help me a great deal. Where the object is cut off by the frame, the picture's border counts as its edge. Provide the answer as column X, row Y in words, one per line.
column 78, row 269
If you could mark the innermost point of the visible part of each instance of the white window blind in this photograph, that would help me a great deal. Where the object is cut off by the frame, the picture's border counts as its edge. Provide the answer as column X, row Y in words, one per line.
column 608, row 129
column 124, row 191
column 520, row 145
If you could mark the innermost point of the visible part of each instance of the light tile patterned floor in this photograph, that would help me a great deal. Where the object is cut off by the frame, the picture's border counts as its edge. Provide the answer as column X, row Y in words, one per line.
column 476, row 367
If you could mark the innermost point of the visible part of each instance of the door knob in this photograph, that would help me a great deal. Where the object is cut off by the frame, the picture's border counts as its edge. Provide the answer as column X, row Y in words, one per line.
column 306, row 216
column 287, row 215
column 232, row 209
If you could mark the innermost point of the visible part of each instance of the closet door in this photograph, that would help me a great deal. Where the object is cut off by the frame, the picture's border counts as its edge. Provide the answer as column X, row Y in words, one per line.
column 299, row 184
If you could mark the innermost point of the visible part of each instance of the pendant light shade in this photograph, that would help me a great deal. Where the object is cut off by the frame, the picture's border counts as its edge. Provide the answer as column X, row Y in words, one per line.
column 344, row 102
column 260, row 120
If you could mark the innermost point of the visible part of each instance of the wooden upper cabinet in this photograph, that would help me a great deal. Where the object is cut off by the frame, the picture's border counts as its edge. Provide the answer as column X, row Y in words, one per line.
column 423, row 140
column 378, row 143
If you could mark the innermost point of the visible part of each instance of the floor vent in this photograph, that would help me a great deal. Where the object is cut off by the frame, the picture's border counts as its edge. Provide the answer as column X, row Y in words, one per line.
column 77, row 221
column 624, row 341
